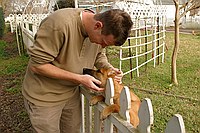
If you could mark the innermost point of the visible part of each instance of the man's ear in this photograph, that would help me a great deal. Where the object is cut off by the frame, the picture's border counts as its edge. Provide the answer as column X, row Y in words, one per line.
column 98, row 25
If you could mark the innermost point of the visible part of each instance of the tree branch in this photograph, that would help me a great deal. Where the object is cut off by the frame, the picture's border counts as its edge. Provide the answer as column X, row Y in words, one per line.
column 176, row 2
column 192, row 7
column 195, row 7
column 185, row 4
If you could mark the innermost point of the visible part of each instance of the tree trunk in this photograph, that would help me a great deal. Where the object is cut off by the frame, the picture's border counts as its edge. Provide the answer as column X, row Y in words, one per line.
column 176, row 46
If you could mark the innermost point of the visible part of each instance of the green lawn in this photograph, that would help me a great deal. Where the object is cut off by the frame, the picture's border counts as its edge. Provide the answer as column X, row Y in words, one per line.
column 156, row 81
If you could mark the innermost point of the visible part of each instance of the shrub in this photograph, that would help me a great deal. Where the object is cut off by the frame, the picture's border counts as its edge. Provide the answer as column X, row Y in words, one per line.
column 64, row 4
column 2, row 22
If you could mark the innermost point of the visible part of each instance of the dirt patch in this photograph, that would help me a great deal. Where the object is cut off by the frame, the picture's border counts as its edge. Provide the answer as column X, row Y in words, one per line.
column 184, row 30
column 13, row 116
column 8, row 37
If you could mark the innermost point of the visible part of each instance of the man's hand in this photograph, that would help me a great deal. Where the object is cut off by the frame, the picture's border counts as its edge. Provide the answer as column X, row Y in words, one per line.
column 119, row 75
column 89, row 82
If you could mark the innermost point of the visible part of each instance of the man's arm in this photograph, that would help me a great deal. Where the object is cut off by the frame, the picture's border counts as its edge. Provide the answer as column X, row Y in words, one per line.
column 52, row 71
column 102, row 61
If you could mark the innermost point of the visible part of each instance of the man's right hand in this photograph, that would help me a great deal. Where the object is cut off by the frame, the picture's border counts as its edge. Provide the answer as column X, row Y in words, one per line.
column 89, row 82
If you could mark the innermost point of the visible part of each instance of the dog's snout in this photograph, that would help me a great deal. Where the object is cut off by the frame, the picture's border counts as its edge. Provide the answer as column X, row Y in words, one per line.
column 84, row 70
column 87, row 71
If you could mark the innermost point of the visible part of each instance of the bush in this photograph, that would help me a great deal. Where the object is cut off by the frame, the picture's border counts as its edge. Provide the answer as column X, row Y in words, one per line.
column 64, row 4
column 2, row 22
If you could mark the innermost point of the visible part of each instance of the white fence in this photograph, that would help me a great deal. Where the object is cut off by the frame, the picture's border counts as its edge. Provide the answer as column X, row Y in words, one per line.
column 91, row 122
column 147, row 40
column 29, row 26
column 28, row 23
column 13, row 20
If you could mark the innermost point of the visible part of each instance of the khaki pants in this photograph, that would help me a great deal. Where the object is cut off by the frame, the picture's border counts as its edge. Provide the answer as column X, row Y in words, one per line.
column 64, row 118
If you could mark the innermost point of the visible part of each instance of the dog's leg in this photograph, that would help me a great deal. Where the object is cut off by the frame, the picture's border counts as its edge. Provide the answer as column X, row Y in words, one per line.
column 114, row 108
column 134, row 119
column 94, row 100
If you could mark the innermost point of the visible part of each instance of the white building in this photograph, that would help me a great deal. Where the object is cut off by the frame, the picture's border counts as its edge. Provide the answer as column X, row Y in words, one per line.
column 191, row 19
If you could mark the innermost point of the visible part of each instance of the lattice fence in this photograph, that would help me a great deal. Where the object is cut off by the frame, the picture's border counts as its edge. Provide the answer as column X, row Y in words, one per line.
column 147, row 40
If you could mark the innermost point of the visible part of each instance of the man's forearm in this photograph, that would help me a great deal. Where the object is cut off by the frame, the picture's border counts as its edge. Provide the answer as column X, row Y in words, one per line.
column 52, row 71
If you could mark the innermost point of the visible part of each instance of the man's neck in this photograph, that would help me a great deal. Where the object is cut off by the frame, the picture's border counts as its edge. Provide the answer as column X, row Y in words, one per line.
column 88, row 20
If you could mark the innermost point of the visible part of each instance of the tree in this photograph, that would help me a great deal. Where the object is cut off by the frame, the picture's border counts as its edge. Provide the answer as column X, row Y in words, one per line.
column 13, row 6
column 18, row 6
column 2, row 22
column 188, row 6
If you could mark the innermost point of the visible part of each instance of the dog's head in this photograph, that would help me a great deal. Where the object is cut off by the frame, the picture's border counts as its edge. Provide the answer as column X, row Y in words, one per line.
column 101, row 74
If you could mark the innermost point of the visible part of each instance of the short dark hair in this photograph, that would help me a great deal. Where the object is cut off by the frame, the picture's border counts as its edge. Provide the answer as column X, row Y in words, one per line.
column 115, row 22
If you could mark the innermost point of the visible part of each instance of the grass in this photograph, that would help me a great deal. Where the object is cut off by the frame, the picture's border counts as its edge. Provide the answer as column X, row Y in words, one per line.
column 12, row 66
column 183, row 99
column 167, row 99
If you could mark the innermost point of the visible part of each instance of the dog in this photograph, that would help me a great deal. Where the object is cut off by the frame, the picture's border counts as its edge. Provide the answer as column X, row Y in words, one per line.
column 102, row 75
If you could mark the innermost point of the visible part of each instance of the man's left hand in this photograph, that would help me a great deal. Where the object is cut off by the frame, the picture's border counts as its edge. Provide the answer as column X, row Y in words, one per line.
column 119, row 75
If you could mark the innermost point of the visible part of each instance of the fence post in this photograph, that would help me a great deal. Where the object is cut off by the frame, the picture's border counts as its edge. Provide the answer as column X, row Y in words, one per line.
column 109, row 91
column 88, row 119
column 125, row 104
column 82, row 113
column 145, row 116
column 109, row 94
column 175, row 125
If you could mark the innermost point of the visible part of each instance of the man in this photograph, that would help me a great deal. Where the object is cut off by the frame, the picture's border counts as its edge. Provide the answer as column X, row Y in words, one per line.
column 67, row 41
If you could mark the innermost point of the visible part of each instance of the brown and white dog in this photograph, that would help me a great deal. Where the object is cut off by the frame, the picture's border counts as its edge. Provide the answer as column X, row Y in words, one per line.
column 102, row 75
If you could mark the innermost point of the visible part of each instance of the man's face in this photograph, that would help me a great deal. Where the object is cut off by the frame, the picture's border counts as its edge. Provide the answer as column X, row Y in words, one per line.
column 103, row 40
column 107, row 40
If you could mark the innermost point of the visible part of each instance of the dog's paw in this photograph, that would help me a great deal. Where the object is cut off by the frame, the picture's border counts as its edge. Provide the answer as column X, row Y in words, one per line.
column 114, row 108
column 94, row 100
column 103, row 117
column 105, row 113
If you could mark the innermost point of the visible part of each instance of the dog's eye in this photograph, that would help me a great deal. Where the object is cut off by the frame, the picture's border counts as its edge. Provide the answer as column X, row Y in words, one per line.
column 98, row 71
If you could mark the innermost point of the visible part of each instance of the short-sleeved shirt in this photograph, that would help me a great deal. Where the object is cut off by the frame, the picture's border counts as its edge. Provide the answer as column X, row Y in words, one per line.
column 61, row 41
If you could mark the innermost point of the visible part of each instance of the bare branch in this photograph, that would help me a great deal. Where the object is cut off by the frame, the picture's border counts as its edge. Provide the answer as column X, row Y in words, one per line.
column 185, row 4
column 185, row 12
column 194, row 5
column 176, row 2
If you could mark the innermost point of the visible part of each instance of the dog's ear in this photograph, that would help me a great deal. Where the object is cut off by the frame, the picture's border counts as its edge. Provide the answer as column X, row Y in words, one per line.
column 101, row 70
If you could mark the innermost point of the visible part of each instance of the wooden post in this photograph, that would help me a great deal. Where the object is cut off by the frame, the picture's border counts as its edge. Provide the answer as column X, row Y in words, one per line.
column 130, row 54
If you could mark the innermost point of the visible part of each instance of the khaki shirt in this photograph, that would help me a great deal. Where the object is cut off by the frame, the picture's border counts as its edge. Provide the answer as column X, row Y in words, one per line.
column 62, row 41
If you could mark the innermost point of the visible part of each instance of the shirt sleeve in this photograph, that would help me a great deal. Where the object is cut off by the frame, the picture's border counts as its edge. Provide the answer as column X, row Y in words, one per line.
column 48, row 41
column 101, row 60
